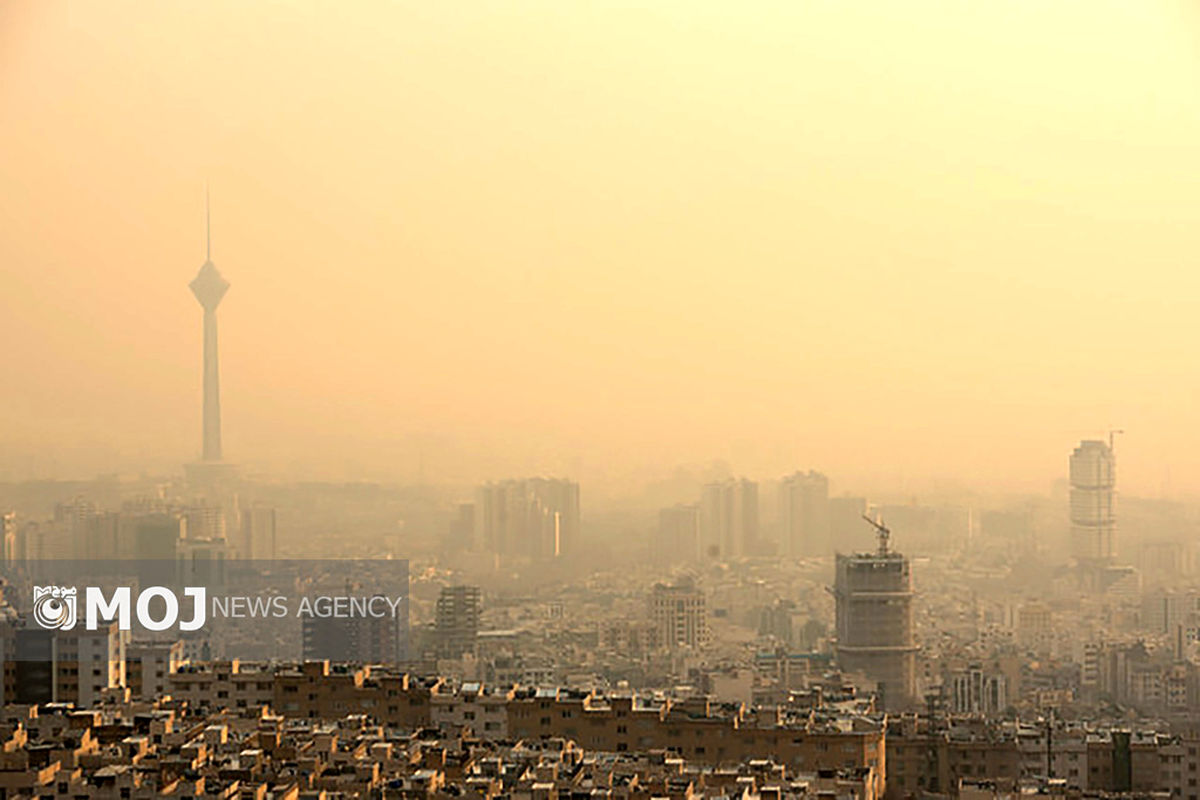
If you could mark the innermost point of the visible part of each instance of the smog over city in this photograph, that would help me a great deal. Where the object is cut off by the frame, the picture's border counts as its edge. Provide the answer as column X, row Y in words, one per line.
column 529, row 400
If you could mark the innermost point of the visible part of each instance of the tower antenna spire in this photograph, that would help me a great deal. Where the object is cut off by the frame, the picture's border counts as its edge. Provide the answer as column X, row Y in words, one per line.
column 207, row 226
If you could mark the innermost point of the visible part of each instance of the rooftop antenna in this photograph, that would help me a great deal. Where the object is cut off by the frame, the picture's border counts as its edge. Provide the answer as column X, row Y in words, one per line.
column 882, row 532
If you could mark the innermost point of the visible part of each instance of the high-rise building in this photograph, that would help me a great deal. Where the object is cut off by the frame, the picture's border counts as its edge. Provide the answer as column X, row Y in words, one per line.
column 150, row 536
column 678, row 537
column 257, row 533
column 47, row 540
column 679, row 614
column 1093, row 472
column 1034, row 626
column 804, row 515
column 93, row 533
column 457, row 623
column 75, row 515
column 202, row 562
column 365, row 639
column 377, row 637
column 536, row 518
column 101, row 536
column 729, row 518
column 204, row 522
column 874, row 621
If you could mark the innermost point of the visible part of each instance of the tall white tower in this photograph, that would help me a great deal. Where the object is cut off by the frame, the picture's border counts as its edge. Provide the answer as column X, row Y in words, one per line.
column 209, row 288
column 1093, row 503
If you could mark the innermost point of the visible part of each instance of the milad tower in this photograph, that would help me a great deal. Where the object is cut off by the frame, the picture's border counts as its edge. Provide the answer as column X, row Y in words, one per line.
column 209, row 288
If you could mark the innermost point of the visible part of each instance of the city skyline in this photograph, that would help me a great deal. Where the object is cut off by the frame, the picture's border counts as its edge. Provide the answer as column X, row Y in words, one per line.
column 620, row 307
column 657, row 401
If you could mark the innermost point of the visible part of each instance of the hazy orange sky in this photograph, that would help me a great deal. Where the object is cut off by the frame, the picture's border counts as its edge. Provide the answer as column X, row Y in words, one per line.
column 896, row 241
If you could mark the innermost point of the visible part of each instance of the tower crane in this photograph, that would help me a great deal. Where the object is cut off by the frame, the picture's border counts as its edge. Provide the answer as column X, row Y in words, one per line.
column 882, row 532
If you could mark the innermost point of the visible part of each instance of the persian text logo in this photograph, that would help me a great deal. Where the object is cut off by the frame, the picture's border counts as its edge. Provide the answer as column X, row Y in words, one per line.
column 54, row 607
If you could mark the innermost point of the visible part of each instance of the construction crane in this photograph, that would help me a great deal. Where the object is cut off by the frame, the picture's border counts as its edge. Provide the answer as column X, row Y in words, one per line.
column 882, row 532
column 1111, row 434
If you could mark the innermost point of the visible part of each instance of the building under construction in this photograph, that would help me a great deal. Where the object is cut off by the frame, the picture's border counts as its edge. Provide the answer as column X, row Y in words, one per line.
column 875, row 620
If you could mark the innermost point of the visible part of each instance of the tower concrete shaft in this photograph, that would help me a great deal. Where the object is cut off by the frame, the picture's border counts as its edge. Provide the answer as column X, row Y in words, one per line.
column 212, row 389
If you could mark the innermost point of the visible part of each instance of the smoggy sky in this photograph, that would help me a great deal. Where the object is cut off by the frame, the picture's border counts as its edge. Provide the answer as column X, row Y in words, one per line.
column 901, row 242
